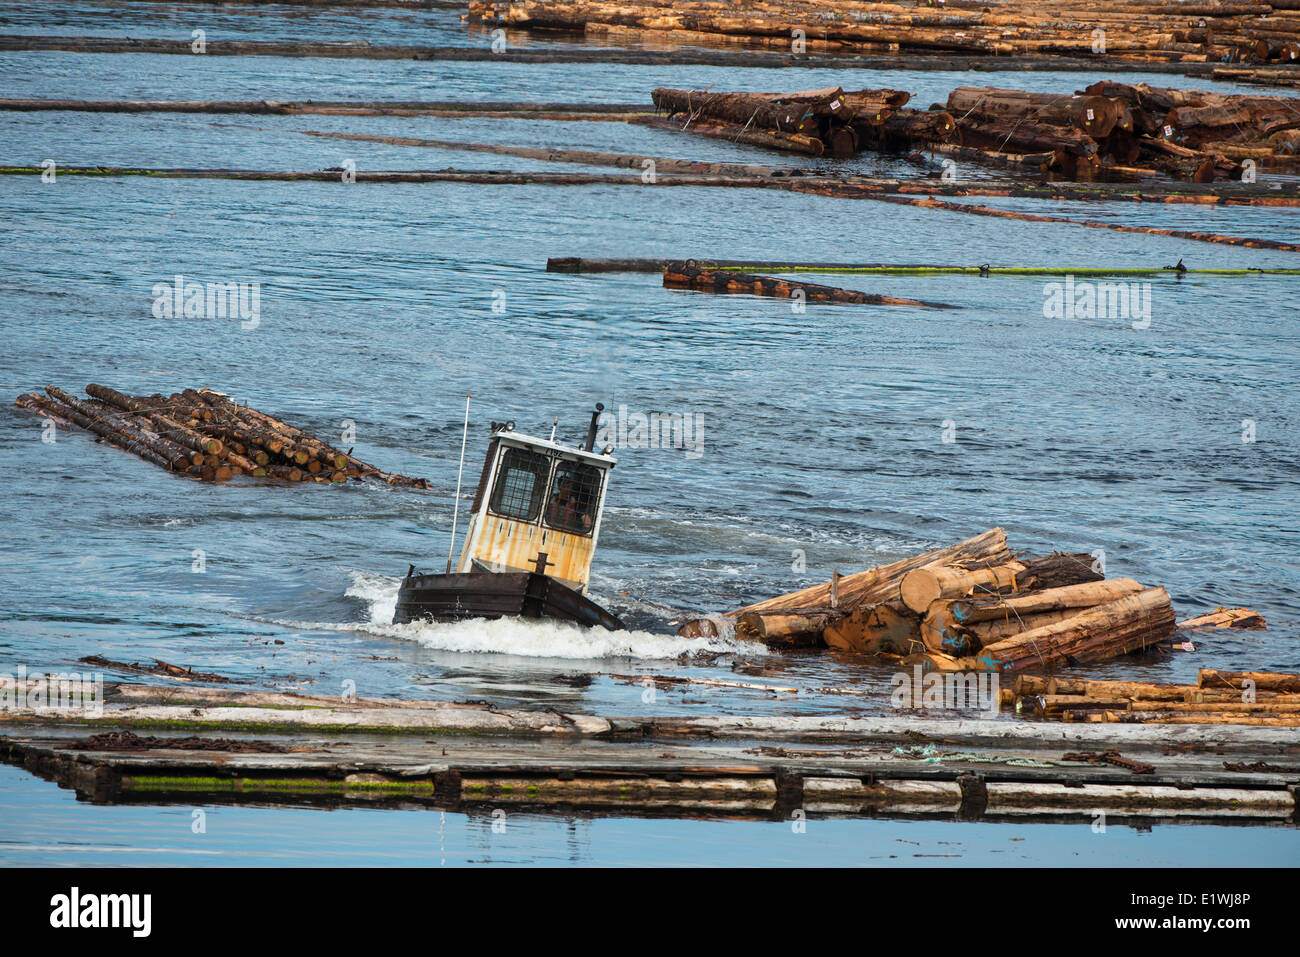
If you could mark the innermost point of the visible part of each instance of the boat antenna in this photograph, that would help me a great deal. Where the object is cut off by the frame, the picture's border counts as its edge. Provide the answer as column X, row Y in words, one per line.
column 455, row 511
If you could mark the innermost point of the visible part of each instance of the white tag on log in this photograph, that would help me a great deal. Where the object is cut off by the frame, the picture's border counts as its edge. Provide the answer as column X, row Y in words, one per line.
column 1090, row 114
column 1169, row 131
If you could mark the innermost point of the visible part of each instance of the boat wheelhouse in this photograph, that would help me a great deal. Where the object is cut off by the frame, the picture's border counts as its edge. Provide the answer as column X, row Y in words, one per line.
column 531, row 538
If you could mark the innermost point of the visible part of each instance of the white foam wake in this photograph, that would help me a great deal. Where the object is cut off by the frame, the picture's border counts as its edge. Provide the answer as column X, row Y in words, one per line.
column 529, row 638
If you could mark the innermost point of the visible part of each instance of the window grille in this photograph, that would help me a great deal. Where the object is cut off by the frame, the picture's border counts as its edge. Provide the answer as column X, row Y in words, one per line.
column 575, row 497
column 521, row 483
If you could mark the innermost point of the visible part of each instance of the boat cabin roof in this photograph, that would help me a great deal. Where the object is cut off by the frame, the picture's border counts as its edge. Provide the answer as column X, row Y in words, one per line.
column 519, row 440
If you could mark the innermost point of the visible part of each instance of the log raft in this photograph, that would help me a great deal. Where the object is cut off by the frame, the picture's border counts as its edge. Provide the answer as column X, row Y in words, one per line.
column 205, row 435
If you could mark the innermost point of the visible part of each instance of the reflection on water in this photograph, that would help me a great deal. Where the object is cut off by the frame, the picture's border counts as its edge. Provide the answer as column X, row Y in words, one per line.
column 43, row 826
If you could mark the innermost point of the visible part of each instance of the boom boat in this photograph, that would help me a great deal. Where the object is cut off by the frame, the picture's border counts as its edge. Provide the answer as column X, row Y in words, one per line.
column 532, row 534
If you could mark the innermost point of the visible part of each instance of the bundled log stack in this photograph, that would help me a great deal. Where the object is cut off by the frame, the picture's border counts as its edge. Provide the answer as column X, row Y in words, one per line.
column 974, row 606
column 204, row 435
column 1109, row 128
column 1229, row 31
column 814, row 122
column 1218, row 697
column 1187, row 134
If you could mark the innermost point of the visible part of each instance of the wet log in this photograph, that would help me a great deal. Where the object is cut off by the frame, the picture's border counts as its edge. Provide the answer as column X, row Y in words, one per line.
column 103, row 430
column 1211, row 678
column 1033, row 685
column 1225, row 618
column 965, row 611
column 165, row 426
column 1024, row 136
column 779, row 628
column 940, row 634
column 1119, row 627
column 924, row 586
column 689, row 275
column 173, row 457
column 1094, row 115
column 881, row 583
column 735, row 133
column 875, row 629
column 905, row 130
column 783, row 113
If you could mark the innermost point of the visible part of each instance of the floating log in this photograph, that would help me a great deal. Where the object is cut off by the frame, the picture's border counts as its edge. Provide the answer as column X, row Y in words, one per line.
column 881, row 583
column 735, row 133
column 780, row 628
column 1225, row 618
column 784, row 113
column 448, row 109
column 1095, row 116
column 689, row 275
column 875, row 629
column 581, row 264
column 1128, row 624
column 206, row 435
column 1210, row 678
column 963, row 611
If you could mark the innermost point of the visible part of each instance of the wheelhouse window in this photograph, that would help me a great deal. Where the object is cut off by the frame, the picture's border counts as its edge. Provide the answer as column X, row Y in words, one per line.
column 521, row 485
column 575, row 496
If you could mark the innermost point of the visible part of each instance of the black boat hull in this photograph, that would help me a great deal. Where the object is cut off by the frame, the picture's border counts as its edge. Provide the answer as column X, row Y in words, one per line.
column 462, row 595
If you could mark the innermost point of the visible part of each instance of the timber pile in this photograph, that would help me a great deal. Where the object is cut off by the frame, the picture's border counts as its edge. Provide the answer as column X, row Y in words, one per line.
column 1134, row 130
column 814, row 122
column 204, row 435
column 975, row 606
column 690, row 275
column 1228, row 31
column 1218, row 697
column 1186, row 134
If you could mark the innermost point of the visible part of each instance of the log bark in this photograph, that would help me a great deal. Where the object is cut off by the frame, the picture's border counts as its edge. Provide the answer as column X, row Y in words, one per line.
column 1119, row 627
column 1210, row 678
column 968, row 611
column 1225, row 618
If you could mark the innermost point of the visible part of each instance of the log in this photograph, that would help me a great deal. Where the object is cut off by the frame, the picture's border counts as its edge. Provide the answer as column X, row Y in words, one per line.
column 1128, row 624
column 100, row 428
column 1094, row 115
column 967, row 611
column 1263, row 680
column 166, row 427
column 689, row 275
column 779, row 628
column 1225, row 618
column 881, row 583
column 1034, row 685
column 783, row 113
column 172, row 456
column 876, row 629
column 934, row 628
column 922, row 587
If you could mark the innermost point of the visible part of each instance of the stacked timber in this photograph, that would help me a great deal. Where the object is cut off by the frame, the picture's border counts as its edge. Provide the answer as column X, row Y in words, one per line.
column 1109, row 128
column 1187, row 134
column 1196, row 133
column 814, row 122
column 1228, row 31
column 205, row 435
column 974, row 606
column 1218, row 697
